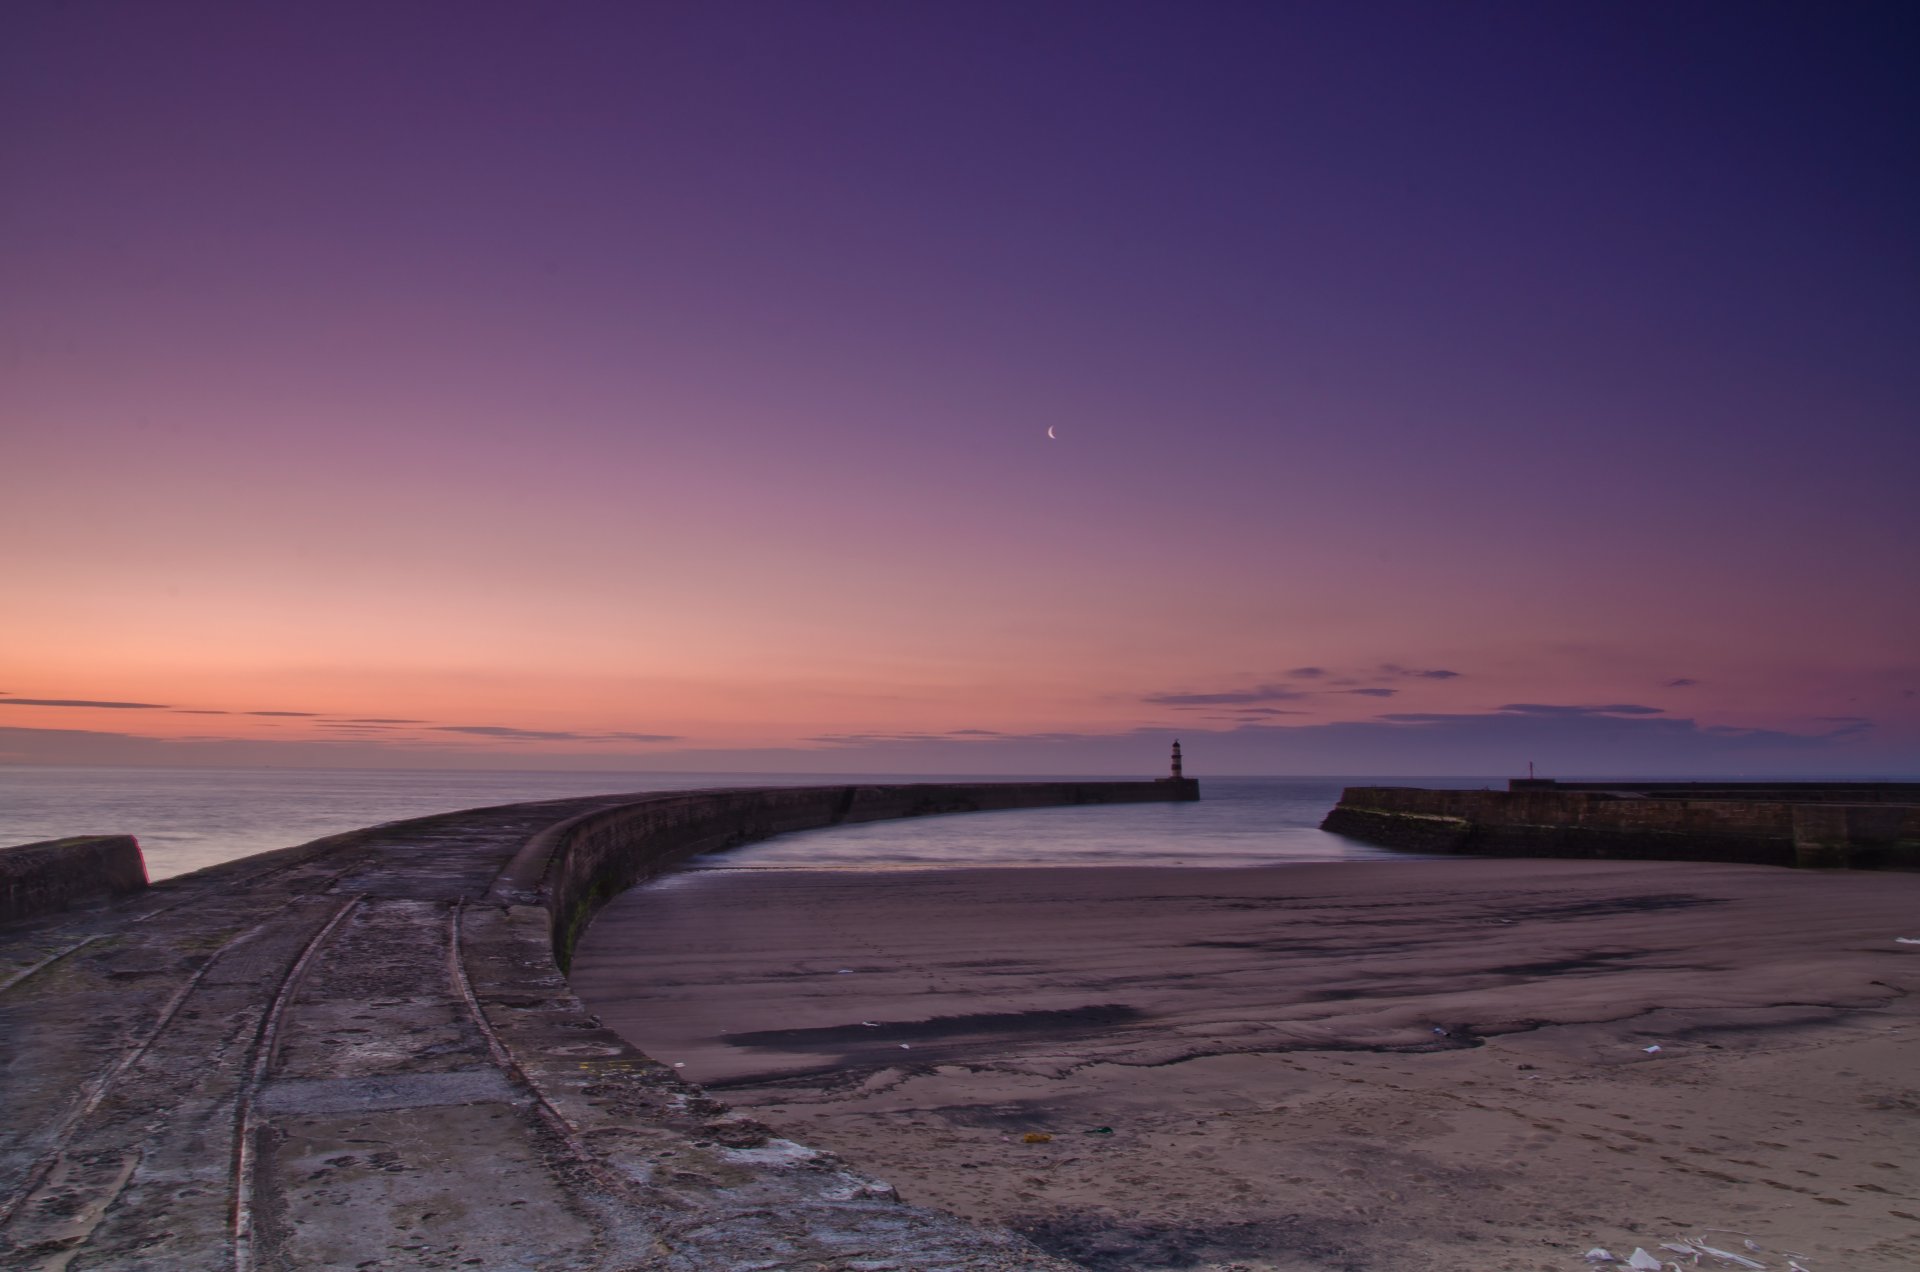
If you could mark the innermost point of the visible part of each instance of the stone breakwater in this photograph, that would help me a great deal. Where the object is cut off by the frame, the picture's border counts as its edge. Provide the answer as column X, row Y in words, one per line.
column 1863, row 825
column 363, row 1053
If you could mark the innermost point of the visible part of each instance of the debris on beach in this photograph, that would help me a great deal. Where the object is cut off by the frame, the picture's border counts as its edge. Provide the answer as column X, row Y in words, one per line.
column 1727, row 1255
column 1906, row 940
column 871, row 1024
column 1100, row 1130
column 1036, row 1137
column 1698, row 1254
column 1651, row 1050
column 1442, row 1032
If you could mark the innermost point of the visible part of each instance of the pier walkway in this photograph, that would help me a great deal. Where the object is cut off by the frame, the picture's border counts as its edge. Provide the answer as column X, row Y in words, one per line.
column 363, row 1053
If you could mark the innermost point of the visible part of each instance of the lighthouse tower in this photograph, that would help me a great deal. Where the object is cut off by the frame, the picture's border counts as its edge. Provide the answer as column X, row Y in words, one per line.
column 1176, row 759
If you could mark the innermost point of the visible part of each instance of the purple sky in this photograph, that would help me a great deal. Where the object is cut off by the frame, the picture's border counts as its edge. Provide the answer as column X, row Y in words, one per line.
column 667, row 385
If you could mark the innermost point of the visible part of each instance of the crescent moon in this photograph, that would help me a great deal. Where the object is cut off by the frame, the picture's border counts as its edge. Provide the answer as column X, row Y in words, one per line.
column 1050, row 432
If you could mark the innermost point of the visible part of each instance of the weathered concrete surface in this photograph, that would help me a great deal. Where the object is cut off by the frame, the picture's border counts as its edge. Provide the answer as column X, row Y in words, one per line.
column 44, row 877
column 362, row 1053
column 1824, row 824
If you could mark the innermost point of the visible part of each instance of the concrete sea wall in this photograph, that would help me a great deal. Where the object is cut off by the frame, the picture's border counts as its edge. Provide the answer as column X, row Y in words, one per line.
column 363, row 1052
column 578, row 866
column 44, row 877
column 1762, row 825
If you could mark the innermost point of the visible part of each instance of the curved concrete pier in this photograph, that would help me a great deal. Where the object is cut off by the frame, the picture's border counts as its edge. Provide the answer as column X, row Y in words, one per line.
column 363, row 1053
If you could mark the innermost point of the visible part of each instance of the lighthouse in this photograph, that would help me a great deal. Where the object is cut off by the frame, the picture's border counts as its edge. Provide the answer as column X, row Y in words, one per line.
column 1176, row 759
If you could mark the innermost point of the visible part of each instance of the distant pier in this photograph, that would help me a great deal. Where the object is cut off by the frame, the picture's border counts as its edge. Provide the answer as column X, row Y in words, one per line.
column 1840, row 825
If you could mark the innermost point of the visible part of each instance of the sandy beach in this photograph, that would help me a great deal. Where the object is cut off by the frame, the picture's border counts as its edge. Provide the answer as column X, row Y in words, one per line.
column 1457, row 1064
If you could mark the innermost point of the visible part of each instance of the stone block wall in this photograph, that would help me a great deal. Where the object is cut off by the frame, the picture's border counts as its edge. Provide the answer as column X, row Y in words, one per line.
column 1536, row 822
column 52, row 875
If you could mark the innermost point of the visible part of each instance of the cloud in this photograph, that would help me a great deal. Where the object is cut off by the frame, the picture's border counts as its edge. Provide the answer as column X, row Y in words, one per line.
column 518, row 735
column 198, row 711
column 1682, row 682
column 970, row 738
column 379, row 720
column 1250, row 715
column 294, row 715
column 81, row 702
column 895, row 739
column 1235, row 697
column 1274, row 692
column 356, row 747
column 1545, row 709
column 548, row 735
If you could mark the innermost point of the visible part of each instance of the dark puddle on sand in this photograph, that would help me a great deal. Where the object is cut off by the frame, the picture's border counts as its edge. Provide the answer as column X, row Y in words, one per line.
column 1062, row 1022
column 1102, row 1242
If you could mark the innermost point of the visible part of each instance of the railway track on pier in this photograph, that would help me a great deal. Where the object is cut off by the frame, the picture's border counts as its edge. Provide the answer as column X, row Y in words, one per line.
column 241, row 1011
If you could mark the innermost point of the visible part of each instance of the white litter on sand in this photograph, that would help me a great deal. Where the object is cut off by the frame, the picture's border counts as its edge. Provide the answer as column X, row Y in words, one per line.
column 1728, row 1255
column 1698, row 1254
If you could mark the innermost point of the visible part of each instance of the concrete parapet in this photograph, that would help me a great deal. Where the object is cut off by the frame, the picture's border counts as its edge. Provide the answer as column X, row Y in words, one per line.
column 51, row 875
column 1538, row 819
column 578, row 866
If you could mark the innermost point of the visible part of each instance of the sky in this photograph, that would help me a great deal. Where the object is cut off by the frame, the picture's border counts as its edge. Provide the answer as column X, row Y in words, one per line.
column 1434, row 389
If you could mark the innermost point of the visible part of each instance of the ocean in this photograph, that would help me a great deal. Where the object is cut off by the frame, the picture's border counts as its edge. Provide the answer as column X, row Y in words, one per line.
column 187, row 819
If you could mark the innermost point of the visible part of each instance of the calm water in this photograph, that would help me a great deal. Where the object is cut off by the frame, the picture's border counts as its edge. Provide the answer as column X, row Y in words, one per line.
column 1238, row 821
column 189, row 818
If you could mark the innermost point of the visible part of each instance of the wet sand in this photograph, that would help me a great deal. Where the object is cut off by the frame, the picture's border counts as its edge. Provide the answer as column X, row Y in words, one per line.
column 1392, row 1065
